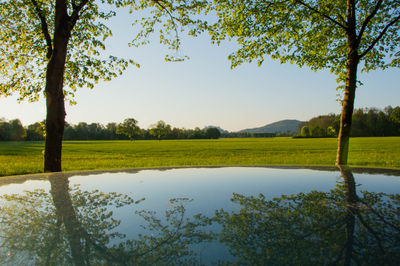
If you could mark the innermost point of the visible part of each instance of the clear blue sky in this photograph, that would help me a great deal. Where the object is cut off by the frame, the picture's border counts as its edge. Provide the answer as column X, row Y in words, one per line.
column 205, row 91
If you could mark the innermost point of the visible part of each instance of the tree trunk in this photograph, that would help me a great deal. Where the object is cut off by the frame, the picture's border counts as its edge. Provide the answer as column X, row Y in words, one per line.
column 55, row 118
column 347, row 112
column 350, row 86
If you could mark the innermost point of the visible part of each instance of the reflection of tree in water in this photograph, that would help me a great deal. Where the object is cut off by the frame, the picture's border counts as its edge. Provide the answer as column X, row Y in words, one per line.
column 338, row 227
column 70, row 226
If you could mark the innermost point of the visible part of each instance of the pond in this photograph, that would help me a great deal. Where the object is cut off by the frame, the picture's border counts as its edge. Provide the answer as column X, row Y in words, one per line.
column 201, row 216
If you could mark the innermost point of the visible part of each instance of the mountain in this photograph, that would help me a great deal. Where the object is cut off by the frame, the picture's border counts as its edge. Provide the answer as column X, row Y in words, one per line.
column 280, row 126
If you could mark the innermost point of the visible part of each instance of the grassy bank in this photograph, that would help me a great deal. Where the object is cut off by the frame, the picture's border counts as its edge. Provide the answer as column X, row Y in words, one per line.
column 26, row 157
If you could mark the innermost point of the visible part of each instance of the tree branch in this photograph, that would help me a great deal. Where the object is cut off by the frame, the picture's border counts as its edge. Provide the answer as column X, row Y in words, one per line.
column 341, row 18
column 368, row 19
column 395, row 20
column 76, row 10
column 322, row 14
column 170, row 15
column 45, row 29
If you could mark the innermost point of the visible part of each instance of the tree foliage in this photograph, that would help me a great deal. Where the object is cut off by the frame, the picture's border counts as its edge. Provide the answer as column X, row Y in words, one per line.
column 213, row 133
column 367, row 122
column 12, row 130
column 160, row 130
column 129, row 128
column 27, row 43
column 342, row 36
column 56, row 46
column 311, row 33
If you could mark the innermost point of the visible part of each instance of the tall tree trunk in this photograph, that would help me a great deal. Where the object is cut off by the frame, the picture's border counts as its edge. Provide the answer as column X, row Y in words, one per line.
column 347, row 112
column 350, row 86
column 55, row 118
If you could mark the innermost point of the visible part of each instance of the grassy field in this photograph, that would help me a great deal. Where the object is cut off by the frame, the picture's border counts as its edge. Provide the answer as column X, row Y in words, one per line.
column 26, row 157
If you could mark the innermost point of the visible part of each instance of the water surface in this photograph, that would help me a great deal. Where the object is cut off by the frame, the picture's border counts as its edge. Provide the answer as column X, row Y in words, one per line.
column 195, row 216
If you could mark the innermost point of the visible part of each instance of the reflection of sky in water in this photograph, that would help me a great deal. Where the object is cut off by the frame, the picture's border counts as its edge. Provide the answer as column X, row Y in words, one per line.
column 210, row 189
column 216, row 182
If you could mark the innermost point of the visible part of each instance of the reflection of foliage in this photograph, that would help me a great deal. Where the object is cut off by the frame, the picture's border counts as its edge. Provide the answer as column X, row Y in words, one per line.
column 313, row 228
column 169, row 243
column 67, row 227
column 30, row 226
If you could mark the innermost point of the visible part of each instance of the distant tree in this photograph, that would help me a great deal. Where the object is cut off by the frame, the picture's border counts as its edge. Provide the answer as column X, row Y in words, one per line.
column 360, row 127
column 128, row 128
column 96, row 131
column 382, row 124
column 371, row 119
column 366, row 122
column 331, row 132
column 5, row 132
column 338, row 35
column 213, row 133
column 197, row 133
column 176, row 133
column 82, row 131
column 35, row 132
column 17, row 130
column 111, row 130
column 322, row 121
column 160, row 130
column 69, row 132
column 318, row 132
column 394, row 115
column 305, row 131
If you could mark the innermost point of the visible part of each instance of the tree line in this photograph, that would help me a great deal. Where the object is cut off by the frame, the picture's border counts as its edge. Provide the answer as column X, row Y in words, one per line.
column 367, row 122
column 13, row 130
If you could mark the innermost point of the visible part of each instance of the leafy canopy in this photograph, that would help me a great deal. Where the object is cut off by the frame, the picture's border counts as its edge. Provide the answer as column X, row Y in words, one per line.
column 27, row 38
column 309, row 32
column 26, row 41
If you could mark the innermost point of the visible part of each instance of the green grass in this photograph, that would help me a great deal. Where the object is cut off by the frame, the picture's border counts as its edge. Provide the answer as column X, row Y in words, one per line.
column 26, row 157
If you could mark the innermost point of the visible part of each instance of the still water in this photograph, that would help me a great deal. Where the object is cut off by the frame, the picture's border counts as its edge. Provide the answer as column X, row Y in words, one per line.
column 201, row 216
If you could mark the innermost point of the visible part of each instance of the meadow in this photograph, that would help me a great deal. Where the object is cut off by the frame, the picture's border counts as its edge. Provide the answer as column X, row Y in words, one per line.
column 27, row 157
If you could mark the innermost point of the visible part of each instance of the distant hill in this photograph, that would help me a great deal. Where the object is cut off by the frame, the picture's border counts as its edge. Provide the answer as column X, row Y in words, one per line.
column 280, row 126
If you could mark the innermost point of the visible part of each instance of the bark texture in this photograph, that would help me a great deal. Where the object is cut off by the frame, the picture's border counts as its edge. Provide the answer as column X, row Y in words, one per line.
column 350, row 86
column 55, row 118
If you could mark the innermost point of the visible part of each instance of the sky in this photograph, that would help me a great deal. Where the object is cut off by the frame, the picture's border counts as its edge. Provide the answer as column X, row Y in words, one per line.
column 205, row 91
